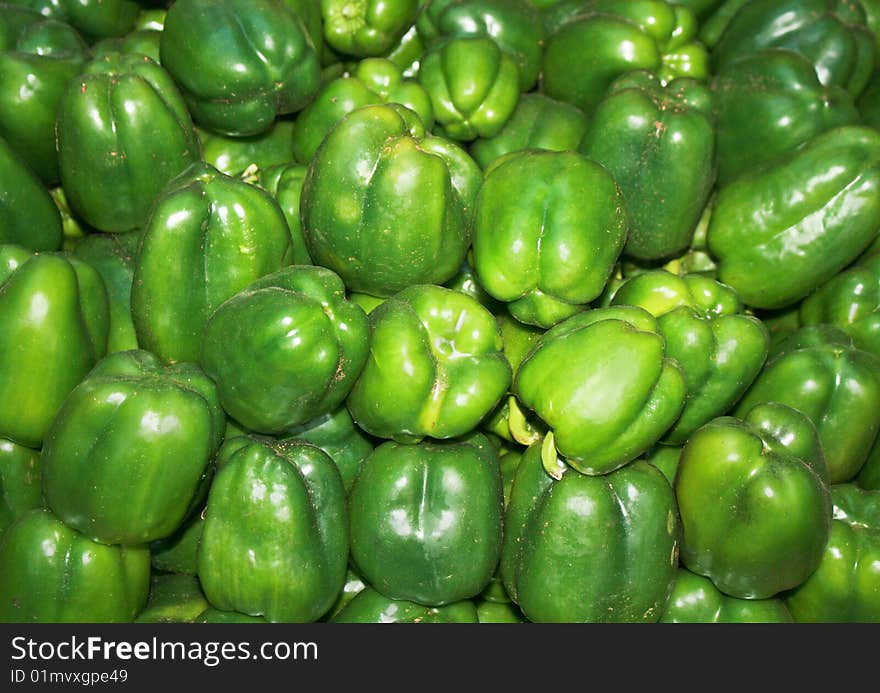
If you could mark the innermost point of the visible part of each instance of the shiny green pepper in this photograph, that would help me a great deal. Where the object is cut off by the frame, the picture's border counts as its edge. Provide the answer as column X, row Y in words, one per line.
column 589, row 549
column 720, row 350
column 173, row 599
column 123, row 133
column 659, row 144
column 426, row 520
column 371, row 81
column 613, row 38
column 755, row 511
column 435, row 366
column 515, row 25
column 94, row 19
column 239, row 63
column 237, row 156
column 384, row 205
column 20, row 482
column 538, row 122
column 61, row 576
column 54, row 312
column 208, row 237
column 547, row 230
column 285, row 349
column 781, row 231
column 832, row 34
column 836, row 385
column 38, row 58
column 695, row 599
column 604, row 383
column 129, row 423
column 769, row 103
column 369, row 606
column 275, row 539
column 845, row 588
column 178, row 552
column 285, row 182
column 366, row 28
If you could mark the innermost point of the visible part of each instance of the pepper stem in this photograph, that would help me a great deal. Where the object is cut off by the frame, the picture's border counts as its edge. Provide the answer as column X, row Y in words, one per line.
column 554, row 466
column 521, row 430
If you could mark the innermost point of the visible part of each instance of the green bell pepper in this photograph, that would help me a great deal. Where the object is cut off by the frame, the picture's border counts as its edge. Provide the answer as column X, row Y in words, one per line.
column 385, row 206
column 666, row 459
column 426, row 520
column 659, row 144
column 720, row 350
column 94, row 19
column 20, row 482
column 173, row 599
column 239, row 63
column 54, row 312
column 353, row 587
column 514, row 25
column 868, row 102
column 497, row 612
column 286, row 349
column 371, row 81
column 851, row 301
column 769, row 103
column 61, row 576
column 131, row 422
column 367, row 28
column 336, row 434
column 473, row 86
column 178, row 552
column 285, row 183
column 112, row 256
column 755, row 511
column 141, row 41
column 28, row 215
column 39, row 57
column 604, row 384
column 208, row 237
column 435, row 366
column 836, row 385
column 407, row 53
column 237, row 156
column 779, row 232
column 537, row 244
column 123, row 133
column 832, row 34
column 845, row 588
column 696, row 600
column 369, row 606
column 538, row 122
column 613, row 38
column 589, row 549
column 275, row 539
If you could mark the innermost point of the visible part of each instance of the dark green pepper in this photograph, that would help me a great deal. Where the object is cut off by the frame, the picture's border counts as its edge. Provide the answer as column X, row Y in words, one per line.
column 20, row 482
column 285, row 183
column 173, row 599
column 366, row 28
column 369, row 606
column 235, row 156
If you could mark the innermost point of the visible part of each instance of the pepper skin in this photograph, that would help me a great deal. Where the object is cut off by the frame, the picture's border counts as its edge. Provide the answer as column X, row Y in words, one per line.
column 755, row 511
column 779, row 232
column 851, row 301
column 285, row 182
column 368, row 27
column 369, row 606
column 286, row 349
column 659, row 144
column 473, row 86
column 173, row 599
column 536, row 244
column 435, row 368
column 769, row 103
column 237, row 156
column 178, row 552
column 123, row 133
column 279, row 554
column 28, row 215
column 426, row 520
column 112, row 256
column 128, row 425
column 603, row 382
column 208, row 237
column 38, row 58
column 54, row 312
column 696, row 600
column 832, row 34
column 538, row 122
column 371, row 81
column 20, row 482
column 62, row 576
column 720, row 350
column 384, row 206
column 845, row 588
column 589, row 549
column 514, row 25
column 239, row 63
column 613, row 38
column 837, row 386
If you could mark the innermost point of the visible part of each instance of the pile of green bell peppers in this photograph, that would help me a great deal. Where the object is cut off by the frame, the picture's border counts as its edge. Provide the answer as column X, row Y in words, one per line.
column 440, row 311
